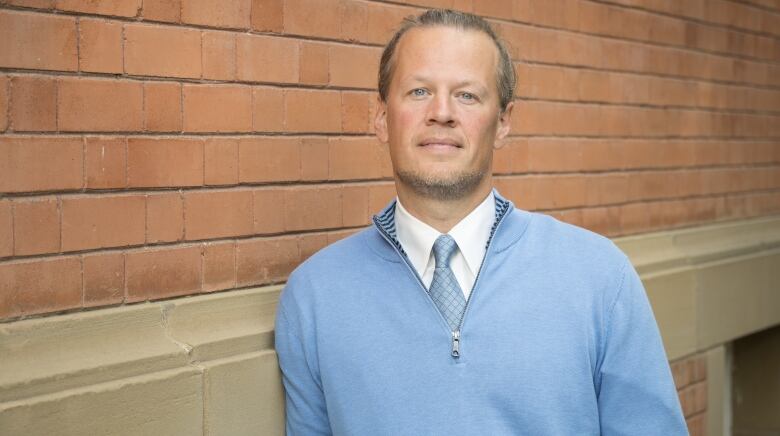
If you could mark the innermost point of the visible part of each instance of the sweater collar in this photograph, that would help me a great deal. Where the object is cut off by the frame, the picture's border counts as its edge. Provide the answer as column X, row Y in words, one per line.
column 384, row 221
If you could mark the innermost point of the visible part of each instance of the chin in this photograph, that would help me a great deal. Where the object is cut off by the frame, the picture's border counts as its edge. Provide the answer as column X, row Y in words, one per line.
column 442, row 186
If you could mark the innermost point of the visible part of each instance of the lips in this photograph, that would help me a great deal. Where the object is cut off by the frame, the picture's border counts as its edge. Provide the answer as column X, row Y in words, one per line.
column 440, row 142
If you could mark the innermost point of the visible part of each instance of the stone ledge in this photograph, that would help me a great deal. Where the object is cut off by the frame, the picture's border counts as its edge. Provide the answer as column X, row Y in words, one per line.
column 711, row 284
column 46, row 355
column 664, row 251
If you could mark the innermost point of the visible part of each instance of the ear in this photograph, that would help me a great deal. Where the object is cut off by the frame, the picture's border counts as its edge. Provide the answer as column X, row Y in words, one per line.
column 504, row 123
column 380, row 120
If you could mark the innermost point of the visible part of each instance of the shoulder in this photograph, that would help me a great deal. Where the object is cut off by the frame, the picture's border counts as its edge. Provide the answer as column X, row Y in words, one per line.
column 555, row 237
column 323, row 269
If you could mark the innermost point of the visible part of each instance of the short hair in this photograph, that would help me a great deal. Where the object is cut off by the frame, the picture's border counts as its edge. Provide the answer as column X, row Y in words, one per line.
column 505, row 74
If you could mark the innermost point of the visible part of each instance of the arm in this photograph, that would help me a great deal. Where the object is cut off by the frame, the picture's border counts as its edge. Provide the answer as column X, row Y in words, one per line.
column 306, row 413
column 636, row 392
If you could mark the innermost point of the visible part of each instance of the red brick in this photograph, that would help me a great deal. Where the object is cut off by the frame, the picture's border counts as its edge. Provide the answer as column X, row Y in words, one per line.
column 262, row 58
column 267, row 15
column 312, row 18
column 603, row 220
column 314, row 63
column 40, row 163
column 312, row 111
column 267, row 109
column 262, row 261
column 162, row 10
column 674, row 213
column 169, row 272
column 310, row 208
column 268, row 159
column 548, row 155
column 216, row 214
column 561, row 13
column 102, row 221
column 6, row 229
column 463, row 5
column 517, row 148
column 336, row 236
column 164, row 162
column 122, row 8
column 357, row 158
column 354, row 66
column 164, row 217
column 219, row 266
column 162, row 107
column 99, row 105
column 570, row 216
column 100, row 46
column 162, row 51
column 597, row 86
column 217, row 108
column 38, row 41
column 221, row 161
column 354, row 204
column 106, row 162
column 219, row 55
column 502, row 161
column 607, row 188
column 383, row 20
column 311, row 243
column 568, row 191
column 354, row 111
column 634, row 218
column 268, row 205
column 550, row 82
column 314, row 159
column 39, row 4
column 227, row 13
column 104, row 279
column 379, row 196
column 4, row 103
column 36, row 226
column 33, row 104
column 697, row 425
column 490, row 8
column 354, row 21
column 39, row 286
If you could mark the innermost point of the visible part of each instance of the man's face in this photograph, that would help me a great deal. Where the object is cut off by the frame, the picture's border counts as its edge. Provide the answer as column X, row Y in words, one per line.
column 441, row 118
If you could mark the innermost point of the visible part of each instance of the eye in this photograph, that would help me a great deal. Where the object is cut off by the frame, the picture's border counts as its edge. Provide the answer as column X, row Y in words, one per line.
column 419, row 92
column 467, row 97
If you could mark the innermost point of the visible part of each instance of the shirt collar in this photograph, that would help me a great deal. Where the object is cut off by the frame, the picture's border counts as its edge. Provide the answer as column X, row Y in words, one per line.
column 471, row 234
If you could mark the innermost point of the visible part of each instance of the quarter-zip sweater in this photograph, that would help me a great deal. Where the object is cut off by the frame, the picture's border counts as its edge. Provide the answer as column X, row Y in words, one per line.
column 557, row 338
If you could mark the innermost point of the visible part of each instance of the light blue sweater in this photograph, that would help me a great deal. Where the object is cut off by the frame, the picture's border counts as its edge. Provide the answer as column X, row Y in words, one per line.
column 558, row 338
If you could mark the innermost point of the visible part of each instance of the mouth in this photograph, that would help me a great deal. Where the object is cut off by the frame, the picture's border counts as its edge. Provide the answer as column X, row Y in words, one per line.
column 440, row 143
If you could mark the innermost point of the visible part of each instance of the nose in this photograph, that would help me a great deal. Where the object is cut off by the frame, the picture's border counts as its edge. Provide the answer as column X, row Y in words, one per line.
column 441, row 111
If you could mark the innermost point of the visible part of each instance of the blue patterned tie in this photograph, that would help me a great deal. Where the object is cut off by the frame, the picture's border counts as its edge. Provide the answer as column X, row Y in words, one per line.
column 445, row 291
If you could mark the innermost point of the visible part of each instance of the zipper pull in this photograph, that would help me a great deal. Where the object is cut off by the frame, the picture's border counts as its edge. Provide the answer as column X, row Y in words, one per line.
column 456, row 344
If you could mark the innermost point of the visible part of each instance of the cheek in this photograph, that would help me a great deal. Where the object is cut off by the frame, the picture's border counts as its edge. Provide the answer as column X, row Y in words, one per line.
column 480, row 129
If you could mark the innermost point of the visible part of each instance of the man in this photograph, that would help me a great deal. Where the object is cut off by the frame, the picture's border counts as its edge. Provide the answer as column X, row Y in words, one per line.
column 455, row 313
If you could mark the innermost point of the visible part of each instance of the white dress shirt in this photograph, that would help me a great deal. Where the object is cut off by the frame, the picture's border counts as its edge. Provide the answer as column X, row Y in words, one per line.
column 471, row 234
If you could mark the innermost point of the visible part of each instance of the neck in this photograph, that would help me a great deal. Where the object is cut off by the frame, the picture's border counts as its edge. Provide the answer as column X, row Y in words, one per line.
column 442, row 215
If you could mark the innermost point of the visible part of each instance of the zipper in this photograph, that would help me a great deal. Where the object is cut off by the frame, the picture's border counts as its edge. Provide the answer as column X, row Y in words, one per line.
column 456, row 343
column 455, row 334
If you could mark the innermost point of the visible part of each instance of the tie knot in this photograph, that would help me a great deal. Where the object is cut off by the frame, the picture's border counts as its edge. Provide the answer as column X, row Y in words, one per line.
column 443, row 249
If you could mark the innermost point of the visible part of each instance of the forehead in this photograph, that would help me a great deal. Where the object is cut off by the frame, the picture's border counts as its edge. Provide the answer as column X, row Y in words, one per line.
column 446, row 53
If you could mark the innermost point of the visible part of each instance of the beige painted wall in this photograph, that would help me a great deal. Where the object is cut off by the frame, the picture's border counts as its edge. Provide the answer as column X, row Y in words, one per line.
column 205, row 365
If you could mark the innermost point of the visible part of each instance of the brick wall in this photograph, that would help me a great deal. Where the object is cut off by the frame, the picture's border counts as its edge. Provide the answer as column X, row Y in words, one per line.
column 158, row 148
column 690, row 377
